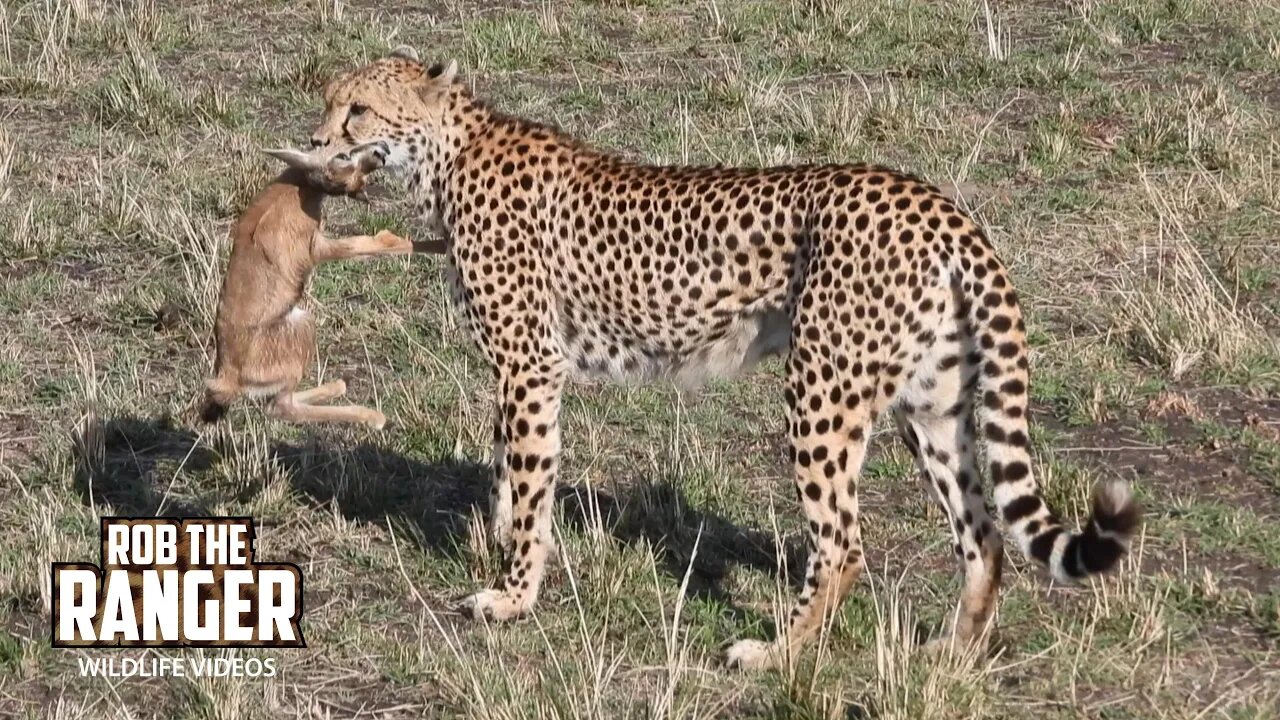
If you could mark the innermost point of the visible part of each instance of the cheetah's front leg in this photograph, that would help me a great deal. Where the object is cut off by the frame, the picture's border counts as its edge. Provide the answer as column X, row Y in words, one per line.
column 500, row 491
column 530, row 443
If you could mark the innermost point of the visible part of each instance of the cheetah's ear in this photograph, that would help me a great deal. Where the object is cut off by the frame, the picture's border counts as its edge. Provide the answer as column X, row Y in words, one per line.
column 442, row 75
column 406, row 52
column 448, row 73
column 437, row 80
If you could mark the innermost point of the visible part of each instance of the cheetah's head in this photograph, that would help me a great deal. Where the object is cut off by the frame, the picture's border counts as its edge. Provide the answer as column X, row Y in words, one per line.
column 396, row 100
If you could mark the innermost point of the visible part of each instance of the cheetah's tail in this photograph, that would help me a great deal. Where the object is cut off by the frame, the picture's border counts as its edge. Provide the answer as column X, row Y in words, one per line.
column 1000, row 349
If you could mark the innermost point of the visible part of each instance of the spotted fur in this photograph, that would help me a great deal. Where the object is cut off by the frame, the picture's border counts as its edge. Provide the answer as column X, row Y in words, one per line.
column 568, row 261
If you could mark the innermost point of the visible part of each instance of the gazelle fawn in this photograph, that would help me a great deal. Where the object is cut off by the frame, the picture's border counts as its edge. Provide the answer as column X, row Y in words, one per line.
column 265, row 337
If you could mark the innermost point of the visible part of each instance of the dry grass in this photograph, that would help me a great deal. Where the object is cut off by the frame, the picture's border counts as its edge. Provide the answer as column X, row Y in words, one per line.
column 8, row 156
column 202, row 248
column 1180, row 313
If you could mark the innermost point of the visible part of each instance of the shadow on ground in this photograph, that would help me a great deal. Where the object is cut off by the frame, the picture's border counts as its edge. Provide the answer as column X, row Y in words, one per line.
column 128, row 463
column 145, row 467
column 660, row 514
column 150, row 466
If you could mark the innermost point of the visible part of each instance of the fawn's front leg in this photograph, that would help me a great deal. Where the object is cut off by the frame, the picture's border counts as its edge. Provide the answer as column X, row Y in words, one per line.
column 325, row 249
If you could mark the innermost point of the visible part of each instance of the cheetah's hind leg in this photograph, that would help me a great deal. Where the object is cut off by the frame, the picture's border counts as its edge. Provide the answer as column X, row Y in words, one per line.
column 935, row 417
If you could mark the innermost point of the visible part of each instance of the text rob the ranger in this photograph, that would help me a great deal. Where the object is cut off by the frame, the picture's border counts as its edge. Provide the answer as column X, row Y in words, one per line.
column 177, row 582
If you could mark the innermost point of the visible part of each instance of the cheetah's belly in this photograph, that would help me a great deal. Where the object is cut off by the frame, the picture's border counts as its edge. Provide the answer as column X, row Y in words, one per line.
column 688, row 355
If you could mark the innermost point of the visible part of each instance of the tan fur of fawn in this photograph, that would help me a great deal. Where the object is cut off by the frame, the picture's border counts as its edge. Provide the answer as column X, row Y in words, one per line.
column 265, row 337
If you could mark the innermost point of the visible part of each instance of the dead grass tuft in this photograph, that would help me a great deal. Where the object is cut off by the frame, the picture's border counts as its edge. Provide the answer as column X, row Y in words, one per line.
column 1178, row 313
column 914, row 682
column 1167, row 402
column 8, row 156
column 201, row 247
column 45, row 32
column 327, row 12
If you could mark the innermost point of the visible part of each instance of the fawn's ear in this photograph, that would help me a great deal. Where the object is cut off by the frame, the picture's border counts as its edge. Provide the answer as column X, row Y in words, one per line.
column 296, row 158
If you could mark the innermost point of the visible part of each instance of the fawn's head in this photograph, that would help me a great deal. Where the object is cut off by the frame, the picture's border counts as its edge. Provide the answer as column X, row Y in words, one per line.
column 342, row 173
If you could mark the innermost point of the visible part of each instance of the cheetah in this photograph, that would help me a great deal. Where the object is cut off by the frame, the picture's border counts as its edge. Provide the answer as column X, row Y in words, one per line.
column 567, row 261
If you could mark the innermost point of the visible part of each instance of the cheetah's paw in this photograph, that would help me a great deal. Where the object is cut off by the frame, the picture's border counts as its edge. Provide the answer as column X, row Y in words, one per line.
column 495, row 605
column 950, row 644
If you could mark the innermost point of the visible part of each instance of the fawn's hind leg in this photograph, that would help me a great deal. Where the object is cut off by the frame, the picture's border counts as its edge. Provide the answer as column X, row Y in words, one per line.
column 221, row 390
column 219, row 393
column 287, row 407
column 320, row 393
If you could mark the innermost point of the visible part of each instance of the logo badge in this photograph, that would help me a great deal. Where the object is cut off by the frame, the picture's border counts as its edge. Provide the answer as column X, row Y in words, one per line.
column 167, row 582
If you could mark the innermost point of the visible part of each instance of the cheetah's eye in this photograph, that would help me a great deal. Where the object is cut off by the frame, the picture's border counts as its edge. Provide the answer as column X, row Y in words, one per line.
column 357, row 109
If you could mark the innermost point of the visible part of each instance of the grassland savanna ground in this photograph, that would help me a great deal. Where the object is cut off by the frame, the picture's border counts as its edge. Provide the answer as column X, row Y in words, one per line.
column 1122, row 155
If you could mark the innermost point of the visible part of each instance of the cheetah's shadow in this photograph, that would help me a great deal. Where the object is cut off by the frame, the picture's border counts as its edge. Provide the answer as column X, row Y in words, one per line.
column 136, row 461
column 145, row 467
column 661, row 515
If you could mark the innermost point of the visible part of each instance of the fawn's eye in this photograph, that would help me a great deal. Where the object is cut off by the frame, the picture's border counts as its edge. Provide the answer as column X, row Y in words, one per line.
column 357, row 109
